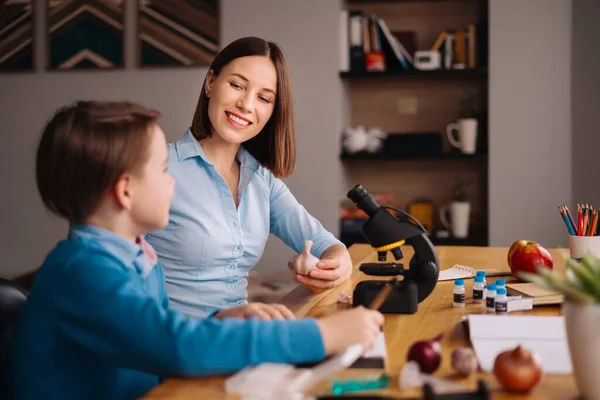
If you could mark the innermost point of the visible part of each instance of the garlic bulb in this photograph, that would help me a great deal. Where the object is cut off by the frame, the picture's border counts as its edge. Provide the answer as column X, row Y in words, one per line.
column 303, row 263
column 464, row 361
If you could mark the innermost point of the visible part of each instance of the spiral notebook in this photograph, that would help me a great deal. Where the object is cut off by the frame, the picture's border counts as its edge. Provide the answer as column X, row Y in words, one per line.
column 463, row 272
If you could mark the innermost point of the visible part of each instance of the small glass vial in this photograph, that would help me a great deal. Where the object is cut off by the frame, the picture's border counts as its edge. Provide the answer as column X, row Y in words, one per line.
column 482, row 273
column 500, row 283
column 459, row 293
column 501, row 301
column 490, row 300
column 478, row 289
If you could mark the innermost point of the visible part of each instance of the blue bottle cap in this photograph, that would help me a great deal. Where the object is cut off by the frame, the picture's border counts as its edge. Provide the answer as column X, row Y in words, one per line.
column 501, row 291
column 491, row 286
column 479, row 279
column 500, row 282
column 482, row 273
column 459, row 282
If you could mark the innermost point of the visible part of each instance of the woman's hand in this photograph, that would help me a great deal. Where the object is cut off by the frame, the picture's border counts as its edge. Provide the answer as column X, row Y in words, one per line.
column 334, row 268
column 264, row 312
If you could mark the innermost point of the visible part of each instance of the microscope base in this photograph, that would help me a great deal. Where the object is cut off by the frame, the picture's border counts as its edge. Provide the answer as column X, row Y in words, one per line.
column 403, row 300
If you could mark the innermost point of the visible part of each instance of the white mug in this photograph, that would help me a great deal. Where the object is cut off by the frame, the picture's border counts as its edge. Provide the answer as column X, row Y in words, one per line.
column 460, row 212
column 467, row 134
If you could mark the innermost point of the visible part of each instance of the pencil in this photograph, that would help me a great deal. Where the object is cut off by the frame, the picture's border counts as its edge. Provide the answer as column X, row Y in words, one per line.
column 588, row 227
column 579, row 221
column 585, row 218
column 570, row 228
column 594, row 223
column 383, row 294
column 570, row 216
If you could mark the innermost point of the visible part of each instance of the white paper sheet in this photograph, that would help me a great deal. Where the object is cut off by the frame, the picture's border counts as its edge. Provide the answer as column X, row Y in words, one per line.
column 546, row 336
column 378, row 350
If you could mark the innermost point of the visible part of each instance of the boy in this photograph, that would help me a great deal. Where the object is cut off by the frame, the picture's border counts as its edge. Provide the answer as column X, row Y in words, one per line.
column 97, row 324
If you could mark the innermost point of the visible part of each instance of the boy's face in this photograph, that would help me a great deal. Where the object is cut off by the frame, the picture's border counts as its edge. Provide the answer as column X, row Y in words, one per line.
column 153, row 188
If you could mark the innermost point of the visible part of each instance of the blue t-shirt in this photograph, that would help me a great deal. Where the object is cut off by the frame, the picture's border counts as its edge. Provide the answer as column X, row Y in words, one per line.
column 97, row 325
column 209, row 245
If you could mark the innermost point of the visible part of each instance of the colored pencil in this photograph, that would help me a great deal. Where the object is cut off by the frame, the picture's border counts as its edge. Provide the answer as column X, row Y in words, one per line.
column 587, row 219
column 579, row 220
column 569, row 216
column 594, row 225
column 567, row 222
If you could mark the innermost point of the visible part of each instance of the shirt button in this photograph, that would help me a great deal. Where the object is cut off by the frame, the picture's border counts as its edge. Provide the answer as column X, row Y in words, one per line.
column 232, row 266
column 238, row 246
column 232, row 286
column 234, row 223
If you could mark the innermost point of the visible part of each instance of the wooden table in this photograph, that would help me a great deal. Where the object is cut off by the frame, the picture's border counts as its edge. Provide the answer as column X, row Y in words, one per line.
column 436, row 315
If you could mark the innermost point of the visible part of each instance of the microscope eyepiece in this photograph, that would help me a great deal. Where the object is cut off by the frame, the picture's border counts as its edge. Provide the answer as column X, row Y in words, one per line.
column 363, row 200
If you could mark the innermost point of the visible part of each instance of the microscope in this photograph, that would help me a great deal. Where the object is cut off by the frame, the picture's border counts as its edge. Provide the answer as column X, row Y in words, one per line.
column 388, row 233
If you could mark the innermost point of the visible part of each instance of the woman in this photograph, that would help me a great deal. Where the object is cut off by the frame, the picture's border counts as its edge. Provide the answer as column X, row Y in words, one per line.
column 229, row 195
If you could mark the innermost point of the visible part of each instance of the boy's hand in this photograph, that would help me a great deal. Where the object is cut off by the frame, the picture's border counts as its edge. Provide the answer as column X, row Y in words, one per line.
column 348, row 327
column 264, row 312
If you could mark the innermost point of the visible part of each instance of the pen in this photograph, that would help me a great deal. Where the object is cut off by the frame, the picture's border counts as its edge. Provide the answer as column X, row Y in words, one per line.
column 383, row 294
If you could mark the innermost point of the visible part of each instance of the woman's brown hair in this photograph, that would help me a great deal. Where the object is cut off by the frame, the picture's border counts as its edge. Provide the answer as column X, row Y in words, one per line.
column 84, row 150
column 275, row 146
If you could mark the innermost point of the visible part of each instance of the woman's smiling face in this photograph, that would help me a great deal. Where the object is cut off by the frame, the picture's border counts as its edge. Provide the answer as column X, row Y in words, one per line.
column 242, row 98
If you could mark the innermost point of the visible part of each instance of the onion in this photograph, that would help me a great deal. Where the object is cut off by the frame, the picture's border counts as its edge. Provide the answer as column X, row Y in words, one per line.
column 518, row 370
column 427, row 353
column 464, row 361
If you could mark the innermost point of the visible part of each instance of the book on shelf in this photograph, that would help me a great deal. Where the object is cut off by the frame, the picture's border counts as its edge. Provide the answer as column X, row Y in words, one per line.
column 368, row 44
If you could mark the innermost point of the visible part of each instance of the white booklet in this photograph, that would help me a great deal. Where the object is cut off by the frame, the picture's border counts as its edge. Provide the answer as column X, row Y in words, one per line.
column 546, row 336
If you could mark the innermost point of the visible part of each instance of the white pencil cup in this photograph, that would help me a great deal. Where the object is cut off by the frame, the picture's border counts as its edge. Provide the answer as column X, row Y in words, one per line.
column 579, row 245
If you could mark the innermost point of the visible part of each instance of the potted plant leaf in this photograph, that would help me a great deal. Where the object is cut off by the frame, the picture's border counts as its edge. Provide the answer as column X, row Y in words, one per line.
column 581, row 288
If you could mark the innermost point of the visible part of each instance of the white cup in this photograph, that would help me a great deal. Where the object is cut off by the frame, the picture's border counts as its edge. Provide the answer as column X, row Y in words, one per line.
column 467, row 135
column 460, row 212
column 579, row 245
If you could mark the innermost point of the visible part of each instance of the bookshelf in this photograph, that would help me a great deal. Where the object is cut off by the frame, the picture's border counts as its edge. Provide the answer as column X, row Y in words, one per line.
column 354, row 2
column 476, row 73
column 412, row 101
column 364, row 156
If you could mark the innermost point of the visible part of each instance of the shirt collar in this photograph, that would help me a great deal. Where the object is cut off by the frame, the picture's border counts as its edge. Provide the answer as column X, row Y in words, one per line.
column 188, row 147
column 139, row 255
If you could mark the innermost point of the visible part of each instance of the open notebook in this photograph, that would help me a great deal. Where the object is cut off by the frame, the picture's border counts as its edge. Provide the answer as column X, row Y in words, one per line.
column 463, row 272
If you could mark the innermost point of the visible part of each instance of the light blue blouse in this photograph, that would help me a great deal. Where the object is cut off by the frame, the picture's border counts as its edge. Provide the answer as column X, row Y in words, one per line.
column 209, row 245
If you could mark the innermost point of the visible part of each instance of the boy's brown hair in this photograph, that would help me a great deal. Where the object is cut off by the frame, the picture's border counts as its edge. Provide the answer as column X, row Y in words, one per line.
column 275, row 146
column 85, row 148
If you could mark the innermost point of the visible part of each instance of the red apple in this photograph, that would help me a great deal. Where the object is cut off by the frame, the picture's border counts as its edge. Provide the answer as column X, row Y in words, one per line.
column 527, row 256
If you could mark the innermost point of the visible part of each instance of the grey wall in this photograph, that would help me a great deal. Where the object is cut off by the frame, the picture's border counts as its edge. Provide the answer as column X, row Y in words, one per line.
column 585, row 102
column 27, row 101
column 529, row 120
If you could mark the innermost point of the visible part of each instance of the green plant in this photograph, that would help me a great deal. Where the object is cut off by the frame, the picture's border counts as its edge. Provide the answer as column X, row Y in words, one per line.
column 459, row 191
column 581, row 284
column 471, row 106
